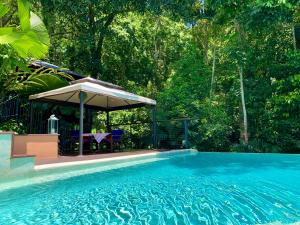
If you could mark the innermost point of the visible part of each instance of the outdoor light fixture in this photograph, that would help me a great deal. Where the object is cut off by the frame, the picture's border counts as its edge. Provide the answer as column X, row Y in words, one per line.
column 53, row 125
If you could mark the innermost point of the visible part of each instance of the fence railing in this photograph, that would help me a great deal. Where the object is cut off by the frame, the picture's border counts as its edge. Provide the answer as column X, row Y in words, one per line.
column 164, row 134
column 14, row 108
column 169, row 134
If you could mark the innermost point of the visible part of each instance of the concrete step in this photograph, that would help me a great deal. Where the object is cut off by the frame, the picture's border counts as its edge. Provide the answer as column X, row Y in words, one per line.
column 20, row 164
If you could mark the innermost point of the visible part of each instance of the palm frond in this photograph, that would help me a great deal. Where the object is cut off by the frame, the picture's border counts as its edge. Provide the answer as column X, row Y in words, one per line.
column 39, row 80
column 3, row 10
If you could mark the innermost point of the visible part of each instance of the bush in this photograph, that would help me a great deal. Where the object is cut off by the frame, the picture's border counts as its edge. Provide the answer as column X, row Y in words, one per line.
column 213, row 130
column 13, row 126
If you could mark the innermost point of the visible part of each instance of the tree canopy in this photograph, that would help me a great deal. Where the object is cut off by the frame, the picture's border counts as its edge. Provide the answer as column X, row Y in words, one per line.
column 231, row 66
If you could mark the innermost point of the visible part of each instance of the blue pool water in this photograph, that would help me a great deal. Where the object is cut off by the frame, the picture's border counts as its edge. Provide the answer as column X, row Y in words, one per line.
column 193, row 188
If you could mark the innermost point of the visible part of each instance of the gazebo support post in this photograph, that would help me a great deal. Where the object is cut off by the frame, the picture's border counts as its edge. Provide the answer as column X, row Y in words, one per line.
column 108, row 130
column 96, row 91
column 81, row 97
column 107, row 122
column 31, row 117
column 154, row 134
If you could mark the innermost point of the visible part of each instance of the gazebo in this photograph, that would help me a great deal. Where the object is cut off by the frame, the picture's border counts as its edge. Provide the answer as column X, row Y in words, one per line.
column 94, row 94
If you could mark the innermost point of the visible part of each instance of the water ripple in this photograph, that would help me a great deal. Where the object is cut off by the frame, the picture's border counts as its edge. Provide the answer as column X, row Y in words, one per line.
column 157, row 193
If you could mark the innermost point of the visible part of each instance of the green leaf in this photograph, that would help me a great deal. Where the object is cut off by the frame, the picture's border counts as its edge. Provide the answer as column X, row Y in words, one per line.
column 24, row 14
column 32, row 42
column 8, row 35
column 39, row 28
column 3, row 10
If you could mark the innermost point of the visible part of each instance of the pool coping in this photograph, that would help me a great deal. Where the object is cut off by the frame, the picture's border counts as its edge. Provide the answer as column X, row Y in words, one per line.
column 92, row 161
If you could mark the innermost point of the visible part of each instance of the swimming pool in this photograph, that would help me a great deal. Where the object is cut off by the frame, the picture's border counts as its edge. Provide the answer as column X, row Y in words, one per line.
column 185, row 188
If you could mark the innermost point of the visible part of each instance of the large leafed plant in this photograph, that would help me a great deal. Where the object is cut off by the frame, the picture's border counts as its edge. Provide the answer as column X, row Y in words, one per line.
column 30, row 37
column 25, row 37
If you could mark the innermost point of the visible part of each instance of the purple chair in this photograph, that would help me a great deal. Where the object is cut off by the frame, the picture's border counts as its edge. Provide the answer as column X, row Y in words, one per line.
column 75, row 137
column 74, row 134
column 117, row 137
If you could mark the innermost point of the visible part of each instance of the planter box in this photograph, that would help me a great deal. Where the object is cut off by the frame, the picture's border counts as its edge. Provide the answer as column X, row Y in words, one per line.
column 42, row 146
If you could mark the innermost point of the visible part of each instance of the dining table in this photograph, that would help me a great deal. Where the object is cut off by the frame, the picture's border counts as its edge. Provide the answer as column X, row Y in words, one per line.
column 99, row 137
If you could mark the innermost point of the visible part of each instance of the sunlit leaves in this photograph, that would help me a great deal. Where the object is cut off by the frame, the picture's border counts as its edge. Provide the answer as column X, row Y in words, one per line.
column 3, row 10
column 149, row 53
column 24, row 14
column 31, row 38
column 36, row 81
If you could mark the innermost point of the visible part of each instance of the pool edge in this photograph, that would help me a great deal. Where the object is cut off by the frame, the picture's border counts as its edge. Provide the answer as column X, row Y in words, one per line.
column 92, row 161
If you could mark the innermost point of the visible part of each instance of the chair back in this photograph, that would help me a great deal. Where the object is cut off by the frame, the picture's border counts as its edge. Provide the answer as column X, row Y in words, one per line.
column 74, row 134
column 117, row 135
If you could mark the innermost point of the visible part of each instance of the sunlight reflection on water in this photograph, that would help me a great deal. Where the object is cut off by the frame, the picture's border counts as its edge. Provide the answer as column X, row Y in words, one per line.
column 203, row 188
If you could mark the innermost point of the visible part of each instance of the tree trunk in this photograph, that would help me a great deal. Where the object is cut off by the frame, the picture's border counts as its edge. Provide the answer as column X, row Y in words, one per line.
column 244, row 130
column 294, row 37
column 94, row 56
column 97, row 46
column 205, row 51
column 245, row 120
column 49, row 19
column 213, row 73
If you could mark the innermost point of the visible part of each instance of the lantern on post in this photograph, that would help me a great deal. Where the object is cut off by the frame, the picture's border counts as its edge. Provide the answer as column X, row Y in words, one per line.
column 53, row 125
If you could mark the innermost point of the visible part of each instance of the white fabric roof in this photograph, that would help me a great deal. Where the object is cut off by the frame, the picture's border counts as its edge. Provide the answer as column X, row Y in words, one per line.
column 96, row 95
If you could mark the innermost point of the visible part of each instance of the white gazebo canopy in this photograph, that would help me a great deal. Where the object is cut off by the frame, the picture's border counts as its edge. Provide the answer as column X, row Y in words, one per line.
column 92, row 93
column 98, row 94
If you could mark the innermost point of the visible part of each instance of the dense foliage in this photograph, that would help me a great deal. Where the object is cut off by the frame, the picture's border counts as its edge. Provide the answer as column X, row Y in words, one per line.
column 231, row 66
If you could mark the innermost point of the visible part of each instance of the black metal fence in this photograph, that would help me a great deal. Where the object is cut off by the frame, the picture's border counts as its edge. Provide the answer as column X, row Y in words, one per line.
column 14, row 108
column 160, row 134
column 168, row 134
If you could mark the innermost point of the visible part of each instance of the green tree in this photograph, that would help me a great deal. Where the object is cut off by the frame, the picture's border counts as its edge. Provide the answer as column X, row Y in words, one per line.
column 187, row 96
column 231, row 65
column 87, row 23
